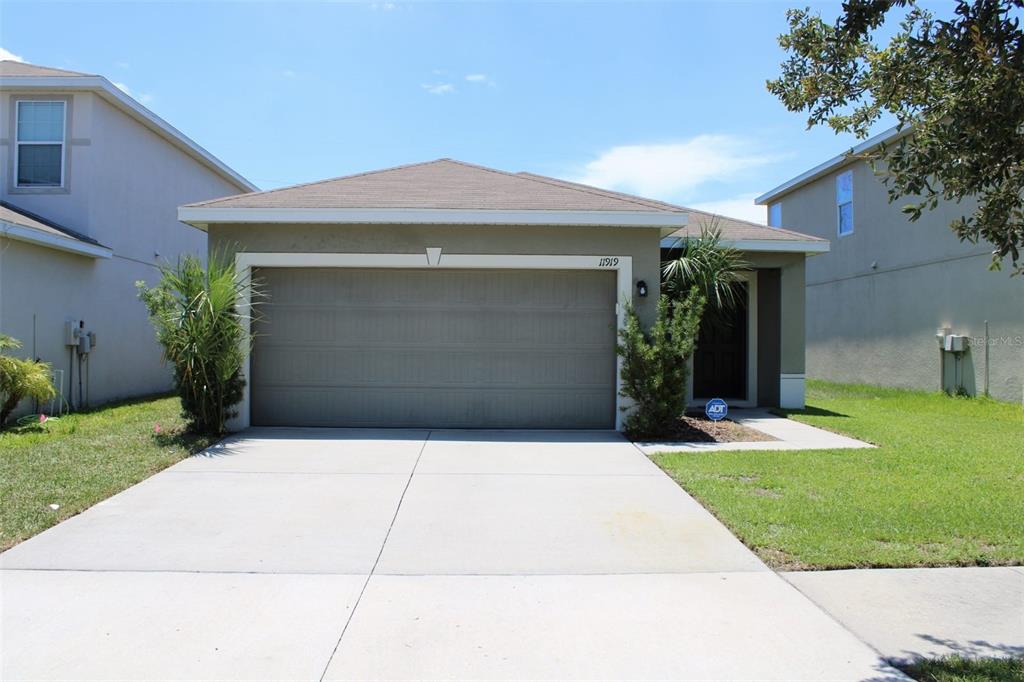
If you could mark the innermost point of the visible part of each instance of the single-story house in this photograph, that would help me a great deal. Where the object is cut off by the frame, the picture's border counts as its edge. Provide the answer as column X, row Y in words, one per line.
column 446, row 294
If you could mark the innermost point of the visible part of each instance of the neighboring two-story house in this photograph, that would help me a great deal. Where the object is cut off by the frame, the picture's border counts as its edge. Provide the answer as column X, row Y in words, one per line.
column 90, row 182
column 895, row 302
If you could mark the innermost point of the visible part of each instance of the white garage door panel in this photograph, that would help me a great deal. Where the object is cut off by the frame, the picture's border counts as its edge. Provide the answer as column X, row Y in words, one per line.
column 442, row 348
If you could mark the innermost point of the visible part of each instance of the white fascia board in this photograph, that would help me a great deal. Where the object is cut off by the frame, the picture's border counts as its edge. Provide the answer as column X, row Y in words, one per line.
column 117, row 97
column 763, row 245
column 778, row 245
column 201, row 216
column 835, row 162
column 52, row 241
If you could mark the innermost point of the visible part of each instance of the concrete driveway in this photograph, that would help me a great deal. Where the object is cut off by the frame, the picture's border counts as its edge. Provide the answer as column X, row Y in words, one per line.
column 347, row 554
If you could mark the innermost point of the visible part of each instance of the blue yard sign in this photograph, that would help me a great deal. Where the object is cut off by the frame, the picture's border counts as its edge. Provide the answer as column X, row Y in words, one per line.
column 716, row 409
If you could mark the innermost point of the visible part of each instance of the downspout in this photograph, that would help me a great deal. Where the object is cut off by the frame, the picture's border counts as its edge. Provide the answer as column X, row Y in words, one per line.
column 986, row 358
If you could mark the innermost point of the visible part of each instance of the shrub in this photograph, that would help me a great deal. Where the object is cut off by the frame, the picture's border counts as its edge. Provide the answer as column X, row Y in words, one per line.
column 705, row 263
column 194, row 312
column 654, row 366
column 20, row 379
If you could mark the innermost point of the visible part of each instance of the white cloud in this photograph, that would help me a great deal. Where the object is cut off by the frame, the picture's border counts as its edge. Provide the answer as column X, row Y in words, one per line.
column 669, row 170
column 386, row 6
column 438, row 88
column 741, row 207
column 481, row 78
column 122, row 65
column 7, row 55
column 288, row 73
column 141, row 97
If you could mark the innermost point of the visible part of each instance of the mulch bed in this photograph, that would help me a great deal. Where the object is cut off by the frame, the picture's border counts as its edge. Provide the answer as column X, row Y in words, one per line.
column 700, row 429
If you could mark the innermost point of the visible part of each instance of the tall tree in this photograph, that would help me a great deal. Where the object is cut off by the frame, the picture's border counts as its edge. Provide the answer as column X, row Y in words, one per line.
column 955, row 86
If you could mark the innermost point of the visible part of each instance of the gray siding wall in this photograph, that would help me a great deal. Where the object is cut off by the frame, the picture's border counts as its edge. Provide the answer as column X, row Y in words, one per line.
column 123, row 186
column 875, row 301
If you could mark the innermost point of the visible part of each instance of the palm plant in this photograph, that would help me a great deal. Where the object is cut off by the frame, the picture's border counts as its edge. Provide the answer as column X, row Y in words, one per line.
column 702, row 262
column 20, row 379
column 195, row 313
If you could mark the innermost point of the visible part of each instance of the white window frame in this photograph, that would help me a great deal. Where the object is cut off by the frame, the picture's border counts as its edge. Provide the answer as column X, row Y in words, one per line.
column 778, row 207
column 433, row 257
column 62, row 142
column 839, row 218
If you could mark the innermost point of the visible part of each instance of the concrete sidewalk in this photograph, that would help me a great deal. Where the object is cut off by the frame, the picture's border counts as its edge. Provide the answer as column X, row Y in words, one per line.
column 908, row 613
column 788, row 434
column 360, row 555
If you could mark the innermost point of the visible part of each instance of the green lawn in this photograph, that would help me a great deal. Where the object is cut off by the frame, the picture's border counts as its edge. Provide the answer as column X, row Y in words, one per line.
column 83, row 458
column 956, row 669
column 945, row 487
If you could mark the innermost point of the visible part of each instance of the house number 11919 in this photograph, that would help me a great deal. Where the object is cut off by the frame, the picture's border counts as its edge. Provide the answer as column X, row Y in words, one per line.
column 608, row 262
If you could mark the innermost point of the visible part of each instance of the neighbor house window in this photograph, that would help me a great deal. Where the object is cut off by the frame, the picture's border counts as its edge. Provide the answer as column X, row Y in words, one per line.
column 844, row 202
column 775, row 215
column 40, row 144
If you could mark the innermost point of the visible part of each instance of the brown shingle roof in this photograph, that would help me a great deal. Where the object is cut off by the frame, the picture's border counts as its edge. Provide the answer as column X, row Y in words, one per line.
column 733, row 229
column 10, row 67
column 22, row 218
column 451, row 184
column 443, row 184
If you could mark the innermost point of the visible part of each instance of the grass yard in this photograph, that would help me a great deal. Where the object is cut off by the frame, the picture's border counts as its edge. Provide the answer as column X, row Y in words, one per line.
column 84, row 458
column 957, row 669
column 945, row 487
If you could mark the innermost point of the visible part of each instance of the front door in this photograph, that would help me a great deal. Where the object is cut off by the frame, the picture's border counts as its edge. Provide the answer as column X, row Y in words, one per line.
column 720, row 361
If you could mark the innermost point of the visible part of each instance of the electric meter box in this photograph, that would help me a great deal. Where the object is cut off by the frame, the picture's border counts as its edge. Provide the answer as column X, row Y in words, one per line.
column 955, row 343
column 71, row 332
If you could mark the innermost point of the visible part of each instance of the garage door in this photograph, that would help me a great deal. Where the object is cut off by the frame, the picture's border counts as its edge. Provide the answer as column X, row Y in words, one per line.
column 435, row 348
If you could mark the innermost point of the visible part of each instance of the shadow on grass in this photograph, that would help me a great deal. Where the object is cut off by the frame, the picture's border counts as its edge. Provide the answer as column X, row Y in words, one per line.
column 808, row 411
column 186, row 440
column 959, row 668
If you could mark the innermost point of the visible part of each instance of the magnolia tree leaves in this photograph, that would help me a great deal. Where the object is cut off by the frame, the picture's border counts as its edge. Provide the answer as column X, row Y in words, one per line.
column 956, row 87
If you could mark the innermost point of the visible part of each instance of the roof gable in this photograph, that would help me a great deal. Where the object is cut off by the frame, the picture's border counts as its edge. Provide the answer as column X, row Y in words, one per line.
column 19, row 76
column 442, row 184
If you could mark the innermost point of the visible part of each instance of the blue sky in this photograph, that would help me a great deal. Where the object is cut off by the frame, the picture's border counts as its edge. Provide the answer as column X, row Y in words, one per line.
column 662, row 99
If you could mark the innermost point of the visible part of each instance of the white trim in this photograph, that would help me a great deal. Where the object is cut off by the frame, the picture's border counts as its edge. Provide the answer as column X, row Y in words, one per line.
column 62, row 142
column 792, row 390
column 117, row 97
column 839, row 204
column 245, row 262
column 779, row 245
column 827, row 167
column 201, row 216
column 40, row 238
column 750, row 278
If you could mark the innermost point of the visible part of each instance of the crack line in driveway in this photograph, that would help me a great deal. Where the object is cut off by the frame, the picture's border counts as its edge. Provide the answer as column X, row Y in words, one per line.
column 376, row 561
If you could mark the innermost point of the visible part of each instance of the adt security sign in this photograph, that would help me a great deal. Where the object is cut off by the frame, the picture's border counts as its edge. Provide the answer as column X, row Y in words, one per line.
column 716, row 409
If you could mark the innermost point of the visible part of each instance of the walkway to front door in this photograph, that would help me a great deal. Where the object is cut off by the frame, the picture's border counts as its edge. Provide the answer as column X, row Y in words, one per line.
column 338, row 554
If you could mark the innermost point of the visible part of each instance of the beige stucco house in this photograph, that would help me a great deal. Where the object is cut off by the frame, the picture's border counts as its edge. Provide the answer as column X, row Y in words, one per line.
column 90, row 182
column 899, row 303
column 446, row 294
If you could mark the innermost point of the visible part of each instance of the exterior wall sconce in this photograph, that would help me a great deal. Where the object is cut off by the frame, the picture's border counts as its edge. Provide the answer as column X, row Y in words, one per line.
column 641, row 289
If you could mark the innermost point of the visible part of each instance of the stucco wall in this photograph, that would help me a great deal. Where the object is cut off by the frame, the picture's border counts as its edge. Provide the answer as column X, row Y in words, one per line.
column 640, row 243
column 791, row 305
column 876, row 299
column 123, row 186
column 53, row 286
